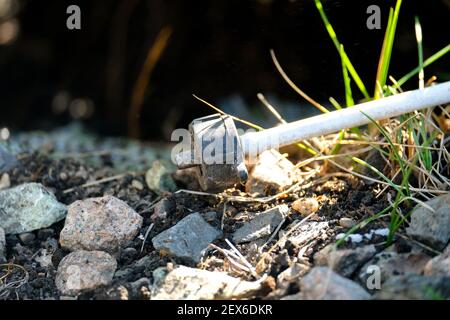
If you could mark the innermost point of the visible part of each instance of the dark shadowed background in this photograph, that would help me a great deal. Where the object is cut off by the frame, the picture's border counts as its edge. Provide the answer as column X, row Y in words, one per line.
column 218, row 49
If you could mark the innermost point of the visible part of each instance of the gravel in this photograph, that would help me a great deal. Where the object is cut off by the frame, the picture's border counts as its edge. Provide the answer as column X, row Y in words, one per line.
column 188, row 239
column 29, row 207
column 83, row 271
column 105, row 224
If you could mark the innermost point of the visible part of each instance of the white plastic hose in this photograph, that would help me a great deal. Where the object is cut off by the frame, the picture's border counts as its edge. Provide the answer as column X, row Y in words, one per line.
column 355, row 116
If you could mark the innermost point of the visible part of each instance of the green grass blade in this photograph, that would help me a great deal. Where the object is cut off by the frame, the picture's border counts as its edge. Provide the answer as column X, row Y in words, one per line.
column 347, row 81
column 418, row 28
column 378, row 172
column 386, row 52
column 335, row 104
column 426, row 63
column 382, row 63
column 344, row 56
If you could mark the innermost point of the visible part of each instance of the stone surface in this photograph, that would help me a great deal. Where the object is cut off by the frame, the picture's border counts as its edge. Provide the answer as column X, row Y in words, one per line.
column 305, row 206
column 322, row 283
column 142, row 264
column 346, row 261
column 82, row 271
column 264, row 224
column 29, row 207
column 271, row 174
column 307, row 232
column 7, row 160
column 104, row 224
column 438, row 266
column 393, row 264
column 185, row 283
column 162, row 209
column 291, row 275
column 415, row 287
column 5, row 181
column 188, row 239
column 432, row 228
column 346, row 223
column 137, row 185
column 158, row 177
column 2, row 245
column 27, row 238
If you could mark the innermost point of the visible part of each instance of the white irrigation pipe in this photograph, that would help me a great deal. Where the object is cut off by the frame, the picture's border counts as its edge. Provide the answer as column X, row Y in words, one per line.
column 355, row 116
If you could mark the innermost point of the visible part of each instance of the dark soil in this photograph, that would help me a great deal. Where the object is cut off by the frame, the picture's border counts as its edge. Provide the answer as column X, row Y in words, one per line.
column 338, row 197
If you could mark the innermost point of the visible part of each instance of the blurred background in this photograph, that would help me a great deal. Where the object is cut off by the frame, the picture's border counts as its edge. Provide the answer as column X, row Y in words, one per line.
column 133, row 67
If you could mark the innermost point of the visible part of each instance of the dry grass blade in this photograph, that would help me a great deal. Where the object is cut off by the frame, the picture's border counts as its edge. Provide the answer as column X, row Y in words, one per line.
column 294, row 86
column 6, row 287
column 137, row 98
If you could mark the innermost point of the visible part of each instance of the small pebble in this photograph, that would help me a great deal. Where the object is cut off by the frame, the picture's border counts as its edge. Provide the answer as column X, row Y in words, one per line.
column 83, row 271
column 129, row 253
column 27, row 238
column 382, row 232
column 5, row 182
column 355, row 238
column 105, row 224
column 137, row 185
column 63, row 176
column 346, row 223
column 162, row 209
column 306, row 206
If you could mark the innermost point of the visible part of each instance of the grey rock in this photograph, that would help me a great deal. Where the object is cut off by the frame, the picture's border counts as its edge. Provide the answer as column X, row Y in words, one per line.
column 322, row 283
column 137, row 185
column 415, row 287
column 140, row 286
column 83, row 271
column 29, row 207
column 264, row 224
column 432, row 228
column 346, row 261
column 306, row 206
column 27, row 238
column 123, row 273
column 307, row 232
column 438, row 266
column 5, row 181
column 271, row 174
column 44, row 258
column 392, row 264
column 185, row 283
column 159, row 178
column 347, row 223
column 7, row 160
column 291, row 275
column 129, row 253
column 105, row 224
column 163, row 209
column 188, row 239
column 142, row 264
column 2, row 245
